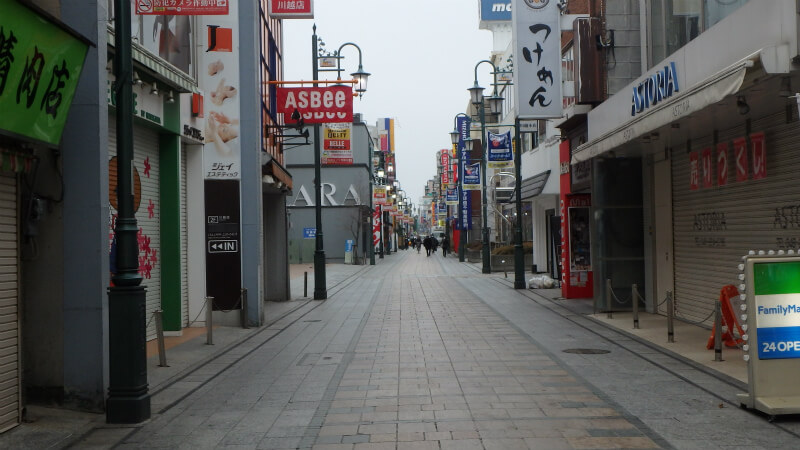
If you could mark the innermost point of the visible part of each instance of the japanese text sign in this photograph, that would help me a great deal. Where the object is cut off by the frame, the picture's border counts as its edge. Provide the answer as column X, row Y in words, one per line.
column 40, row 65
column 332, row 104
column 182, row 7
column 291, row 9
column 536, row 30
column 500, row 154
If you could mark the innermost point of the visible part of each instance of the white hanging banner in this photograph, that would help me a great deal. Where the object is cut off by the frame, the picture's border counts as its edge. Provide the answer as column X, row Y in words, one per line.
column 537, row 58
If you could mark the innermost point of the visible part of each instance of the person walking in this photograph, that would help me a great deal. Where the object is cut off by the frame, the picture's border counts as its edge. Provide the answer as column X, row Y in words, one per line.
column 434, row 243
column 427, row 244
column 445, row 246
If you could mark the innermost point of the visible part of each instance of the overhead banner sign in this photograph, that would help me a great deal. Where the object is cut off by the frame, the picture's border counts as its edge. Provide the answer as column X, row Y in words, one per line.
column 40, row 65
column 332, row 104
column 451, row 197
column 500, row 153
column 336, row 149
column 182, row 7
column 291, row 9
column 379, row 195
column 536, row 31
column 472, row 177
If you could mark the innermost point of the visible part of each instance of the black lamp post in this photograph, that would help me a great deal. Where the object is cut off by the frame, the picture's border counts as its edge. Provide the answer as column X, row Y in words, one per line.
column 495, row 105
column 128, row 397
column 454, row 137
column 320, row 286
column 519, row 255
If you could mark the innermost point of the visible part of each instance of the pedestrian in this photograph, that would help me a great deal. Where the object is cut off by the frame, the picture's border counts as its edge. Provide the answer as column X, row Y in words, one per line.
column 427, row 244
column 434, row 243
column 445, row 246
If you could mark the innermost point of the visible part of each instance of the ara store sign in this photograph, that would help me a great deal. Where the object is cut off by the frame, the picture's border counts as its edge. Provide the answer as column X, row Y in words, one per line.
column 332, row 104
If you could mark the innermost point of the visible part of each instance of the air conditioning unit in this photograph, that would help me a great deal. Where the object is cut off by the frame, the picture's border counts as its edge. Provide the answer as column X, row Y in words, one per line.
column 503, row 194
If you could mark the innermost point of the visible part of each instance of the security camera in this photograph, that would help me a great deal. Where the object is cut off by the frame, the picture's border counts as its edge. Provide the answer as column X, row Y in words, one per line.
column 562, row 5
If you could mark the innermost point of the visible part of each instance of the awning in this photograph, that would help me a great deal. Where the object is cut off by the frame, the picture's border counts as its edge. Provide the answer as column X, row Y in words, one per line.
column 533, row 186
column 706, row 93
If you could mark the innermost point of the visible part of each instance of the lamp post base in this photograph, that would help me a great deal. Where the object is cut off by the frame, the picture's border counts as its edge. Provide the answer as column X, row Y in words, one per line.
column 128, row 398
column 519, row 267
column 320, row 288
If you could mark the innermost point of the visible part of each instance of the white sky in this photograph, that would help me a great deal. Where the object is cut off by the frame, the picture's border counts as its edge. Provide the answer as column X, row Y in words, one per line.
column 421, row 54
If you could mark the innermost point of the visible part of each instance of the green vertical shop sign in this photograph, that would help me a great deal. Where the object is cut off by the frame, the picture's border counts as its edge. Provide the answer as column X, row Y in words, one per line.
column 40, row 65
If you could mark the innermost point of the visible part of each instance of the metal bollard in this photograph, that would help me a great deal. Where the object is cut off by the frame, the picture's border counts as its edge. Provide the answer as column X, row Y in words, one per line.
column 162, row 351
column 635, row 299
column 209, row 318
column 244, row 308
column 609, row 293
column 717, row 331
column 305, row 284
column 670, row 318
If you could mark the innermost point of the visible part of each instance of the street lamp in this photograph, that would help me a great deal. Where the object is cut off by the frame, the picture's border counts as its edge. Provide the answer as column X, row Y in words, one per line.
column 467, row 142
column 495, row 103
column 320, row 288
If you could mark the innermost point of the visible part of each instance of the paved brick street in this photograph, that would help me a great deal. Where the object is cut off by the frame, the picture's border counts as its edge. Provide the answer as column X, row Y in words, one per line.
column 427, row 353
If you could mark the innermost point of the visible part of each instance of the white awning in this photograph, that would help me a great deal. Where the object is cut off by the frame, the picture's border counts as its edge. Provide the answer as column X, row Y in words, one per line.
column 699, row 96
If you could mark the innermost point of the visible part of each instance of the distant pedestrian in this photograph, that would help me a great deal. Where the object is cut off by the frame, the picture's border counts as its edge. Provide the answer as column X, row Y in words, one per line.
column 434, row 243
column 445, row 246
column 427, row 243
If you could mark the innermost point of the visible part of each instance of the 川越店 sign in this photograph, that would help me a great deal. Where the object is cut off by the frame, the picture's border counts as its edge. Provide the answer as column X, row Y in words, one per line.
column 333, row 104
column 40, row 65
column 182, row 7
column 291, row 9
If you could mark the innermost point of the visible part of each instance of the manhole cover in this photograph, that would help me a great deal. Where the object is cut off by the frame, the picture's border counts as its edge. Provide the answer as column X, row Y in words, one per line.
column 587, row 351
column 327, row 357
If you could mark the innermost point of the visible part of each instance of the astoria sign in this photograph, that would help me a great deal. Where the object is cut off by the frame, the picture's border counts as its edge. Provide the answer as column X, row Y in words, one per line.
column 654, row 89
column 333, row 104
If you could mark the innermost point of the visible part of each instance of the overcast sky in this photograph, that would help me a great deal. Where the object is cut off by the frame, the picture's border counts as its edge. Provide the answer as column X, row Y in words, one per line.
column 421, row 54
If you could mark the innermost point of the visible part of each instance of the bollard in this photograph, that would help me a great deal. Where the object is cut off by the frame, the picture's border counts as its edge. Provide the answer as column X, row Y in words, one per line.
column 717, row 331
column 209, row 317
column 305, row 284
column 609, row 293
column 244, row 308
column 635, row 299
column 162, row 351
column 670, row 318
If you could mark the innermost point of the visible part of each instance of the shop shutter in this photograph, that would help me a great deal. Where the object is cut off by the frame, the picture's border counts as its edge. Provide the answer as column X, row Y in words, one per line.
column 184, row 245
column 145, row 148
column 9, row 302
column 714, row 227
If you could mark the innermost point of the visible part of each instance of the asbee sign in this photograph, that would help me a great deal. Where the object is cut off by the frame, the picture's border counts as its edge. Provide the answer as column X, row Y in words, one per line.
column 332, row 104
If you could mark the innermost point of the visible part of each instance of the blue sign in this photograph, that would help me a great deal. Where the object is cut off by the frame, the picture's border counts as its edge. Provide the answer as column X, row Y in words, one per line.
column 500, row 154
column 655, row 89
column 348, row 246
column 472, row 176
column 309, row 233
column 465, row 203
column 495, row 10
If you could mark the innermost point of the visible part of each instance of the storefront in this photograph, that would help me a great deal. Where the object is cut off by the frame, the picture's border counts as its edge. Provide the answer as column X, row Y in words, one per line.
column 707, row 149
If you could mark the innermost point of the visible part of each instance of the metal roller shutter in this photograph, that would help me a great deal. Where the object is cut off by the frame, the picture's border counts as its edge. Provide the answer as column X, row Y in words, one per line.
column 184, row 245
column 145, row 148
column 9, row 305
column 714, row 227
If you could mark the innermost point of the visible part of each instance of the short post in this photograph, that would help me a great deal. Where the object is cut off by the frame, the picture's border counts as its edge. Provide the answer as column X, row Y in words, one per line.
column 609, row 293
column 635, row 299
column 717, row 331
column 305, row 284
column 670, row 318
column 162, row 351
column 244, row 308
column 209, row 316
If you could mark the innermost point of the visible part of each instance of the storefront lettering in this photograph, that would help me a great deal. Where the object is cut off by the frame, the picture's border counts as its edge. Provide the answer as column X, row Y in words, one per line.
column 787, row 217
column 713, row 221
column 654, row 89
column 192, row 132
column 680, row 109
column 351, row 197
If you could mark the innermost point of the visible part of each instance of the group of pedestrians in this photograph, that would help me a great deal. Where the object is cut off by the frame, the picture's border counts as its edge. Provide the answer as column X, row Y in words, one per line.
column 431, row 244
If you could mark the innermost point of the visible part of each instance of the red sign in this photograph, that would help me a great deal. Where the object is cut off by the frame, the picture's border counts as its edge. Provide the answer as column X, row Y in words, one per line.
column 376, row 226
column 333, row 104
column 759, row 156
column 707, row 173
column 291, row 9
column 694, row 172
column 722, row 164
column 182, row 7
column 740, row 155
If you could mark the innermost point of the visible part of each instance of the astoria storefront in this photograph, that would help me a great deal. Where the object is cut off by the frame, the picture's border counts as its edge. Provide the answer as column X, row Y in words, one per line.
column 710, row 150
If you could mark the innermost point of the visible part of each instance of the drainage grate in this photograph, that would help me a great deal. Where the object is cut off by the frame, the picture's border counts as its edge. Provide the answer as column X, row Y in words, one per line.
column 587, row 351
column 312, row 321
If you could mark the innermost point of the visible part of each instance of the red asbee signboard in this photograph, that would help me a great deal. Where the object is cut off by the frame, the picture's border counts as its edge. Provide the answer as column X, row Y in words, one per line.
column 182, row 7
column 333, row 104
